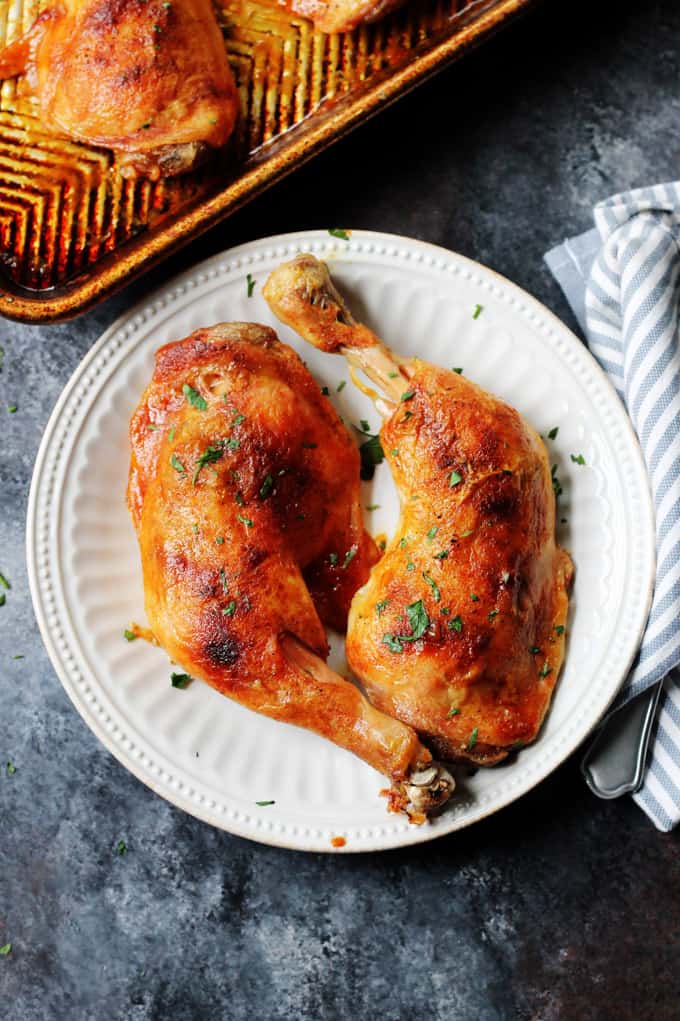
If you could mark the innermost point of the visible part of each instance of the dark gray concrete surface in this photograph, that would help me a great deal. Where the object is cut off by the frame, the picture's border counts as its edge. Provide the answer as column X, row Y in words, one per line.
column 561, row 906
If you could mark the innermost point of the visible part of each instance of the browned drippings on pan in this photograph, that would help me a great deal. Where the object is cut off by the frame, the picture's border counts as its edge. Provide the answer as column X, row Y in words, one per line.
column 72, row 229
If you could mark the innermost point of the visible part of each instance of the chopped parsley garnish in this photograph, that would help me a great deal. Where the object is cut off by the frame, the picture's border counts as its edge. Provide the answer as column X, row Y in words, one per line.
column 194, row 398
column 403, row 541
column 341, row 386
column 442, row 555
column 516, row 745
column 4, row 582
column 545, row 670
column 171, row 433
column 337, row 232
column 309, row 446
column 381, row 606
column 333, row 559
column 264, row 804
column 349, row 556
column 237, row 419
column 5, row 950
column 266, row 487
column 12, row 408
column 128, row 635
column 239, row 498
column 392, row 643
column 3, row 599
column 433, row 585
column 394, row 452
column 230, row 609
column 456, row 623
column 477, row 312
column 372, row 454
column 152, row 428
column 194, row 528
column 219, row 540
column 407, row 395
column 419, row 621
column 121, row 848
column 446, row 610
column 557, row 487
column 393, row 375
column 177, row 465
column 407, row 415
column 578, row 458
column 473, row 738
column 372, row 506
column 534, row 650
column 459, row 371
column 493, row 613
column 474, row 597
column 11, row 769
column 244, row 520
column 223, row 580
column 209, row 456
column 559, row 629
column 453, row 711
column 180, row 680
column 464, row 535
column 325, row 391
column 432, row 532
column 454, row 479
column 145, row 127
column 231, row 443
column 250, row 284
column 552, row 435
column 505, row 577
column 410, row 566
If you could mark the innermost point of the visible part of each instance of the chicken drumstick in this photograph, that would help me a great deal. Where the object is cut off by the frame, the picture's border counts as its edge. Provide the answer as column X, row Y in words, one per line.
column 459, row 631
column 244, row 491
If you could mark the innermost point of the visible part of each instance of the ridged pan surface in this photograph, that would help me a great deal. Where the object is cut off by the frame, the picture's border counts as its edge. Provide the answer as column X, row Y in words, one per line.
column 72, row 228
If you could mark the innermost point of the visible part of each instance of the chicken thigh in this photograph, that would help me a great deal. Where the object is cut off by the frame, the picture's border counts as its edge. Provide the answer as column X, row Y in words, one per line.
column 146, row 78
column 244, row 492
column 460, row 629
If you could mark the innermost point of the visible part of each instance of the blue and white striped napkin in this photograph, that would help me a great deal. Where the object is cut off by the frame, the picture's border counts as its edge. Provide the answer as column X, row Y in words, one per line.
column 622, row 280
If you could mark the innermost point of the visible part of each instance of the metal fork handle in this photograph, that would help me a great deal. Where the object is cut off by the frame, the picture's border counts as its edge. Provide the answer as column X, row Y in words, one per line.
column 614, row 764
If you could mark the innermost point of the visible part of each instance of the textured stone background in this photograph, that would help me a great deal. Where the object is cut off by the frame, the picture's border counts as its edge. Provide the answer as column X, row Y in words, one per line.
column 560, row 907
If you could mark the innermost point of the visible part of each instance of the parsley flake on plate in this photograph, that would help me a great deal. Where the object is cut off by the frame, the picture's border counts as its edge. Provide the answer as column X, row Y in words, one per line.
column 180, row 681
column 250, row 284
column 129, row 636
column 578, row 458
column 338, row 232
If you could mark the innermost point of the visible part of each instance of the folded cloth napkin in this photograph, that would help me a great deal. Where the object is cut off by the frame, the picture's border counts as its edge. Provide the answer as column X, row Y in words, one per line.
column 622, row 280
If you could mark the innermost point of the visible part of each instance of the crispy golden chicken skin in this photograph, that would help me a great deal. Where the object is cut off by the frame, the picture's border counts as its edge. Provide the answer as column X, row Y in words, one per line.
column 244, row 492
column 460, row 629
column 343, row 15
column 149, row 80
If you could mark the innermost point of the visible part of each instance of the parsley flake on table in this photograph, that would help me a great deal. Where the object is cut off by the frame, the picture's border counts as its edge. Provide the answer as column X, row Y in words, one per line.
column 12, row 408
column 194, row 397
column 578, row 458
column 180, row 681
column 338, row 232
column 11, row 769
column 4, row 582
column 433, row 585
column 121, row 848
column 250, row 284
column 5, row 950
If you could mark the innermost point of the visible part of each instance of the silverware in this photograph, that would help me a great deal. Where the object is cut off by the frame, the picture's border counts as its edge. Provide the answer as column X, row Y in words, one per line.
column 614, row 764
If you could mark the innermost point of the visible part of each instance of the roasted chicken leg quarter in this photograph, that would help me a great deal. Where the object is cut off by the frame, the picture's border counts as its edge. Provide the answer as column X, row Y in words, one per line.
column 149, row 80
column 459, row 631
column 244, row 492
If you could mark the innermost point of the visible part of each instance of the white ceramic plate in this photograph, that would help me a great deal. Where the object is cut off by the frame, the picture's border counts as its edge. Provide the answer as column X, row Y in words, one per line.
column 208, row 755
